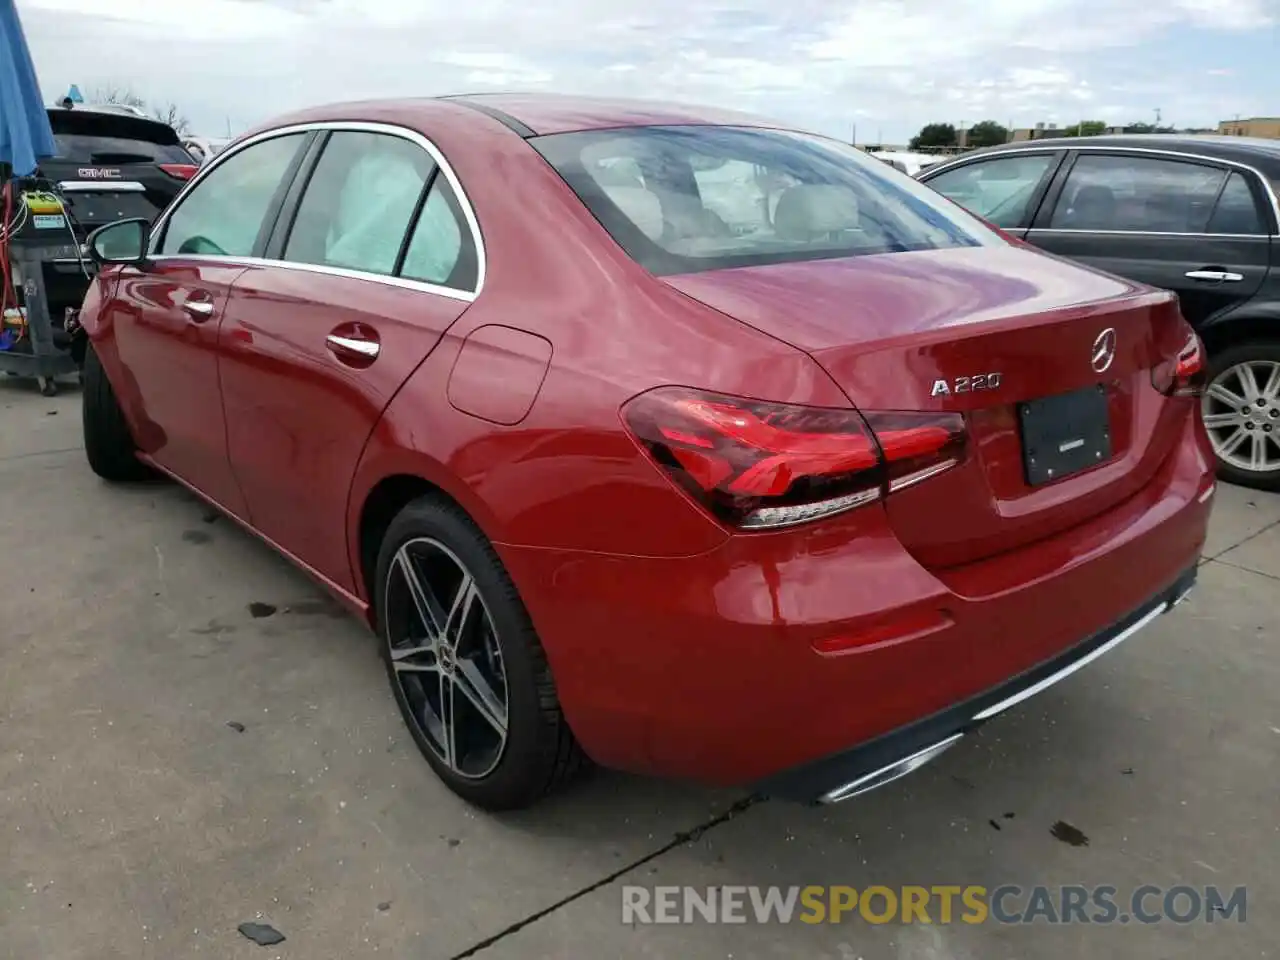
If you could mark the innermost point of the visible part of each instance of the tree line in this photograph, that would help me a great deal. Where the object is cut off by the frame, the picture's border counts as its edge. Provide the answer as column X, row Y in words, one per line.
column 989, row 133
column 164, row 112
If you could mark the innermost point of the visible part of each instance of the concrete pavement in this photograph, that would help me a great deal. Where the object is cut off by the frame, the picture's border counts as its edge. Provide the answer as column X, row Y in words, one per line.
column 193, row 736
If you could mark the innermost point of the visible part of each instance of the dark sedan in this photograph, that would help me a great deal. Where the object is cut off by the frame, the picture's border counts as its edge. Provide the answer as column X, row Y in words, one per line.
column 1195, row 215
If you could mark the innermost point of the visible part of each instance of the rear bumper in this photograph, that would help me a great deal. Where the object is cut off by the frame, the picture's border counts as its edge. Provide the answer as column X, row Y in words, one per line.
column 710, row 667
column 908, row 748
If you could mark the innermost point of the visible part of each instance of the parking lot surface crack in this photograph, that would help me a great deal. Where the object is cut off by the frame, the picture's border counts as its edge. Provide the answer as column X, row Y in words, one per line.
column 1253, row 536
column 40, row 453
column 1243, row 569
column 679, row 839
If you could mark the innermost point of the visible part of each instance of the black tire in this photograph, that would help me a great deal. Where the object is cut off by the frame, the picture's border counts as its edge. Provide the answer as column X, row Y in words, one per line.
column 108, row 444
column 1219, row 363
column 540, row 754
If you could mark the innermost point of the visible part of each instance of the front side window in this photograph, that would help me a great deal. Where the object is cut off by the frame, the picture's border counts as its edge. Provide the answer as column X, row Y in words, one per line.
column 690, row 198
column 223, row 213
column 998, row 190
column 359, row 201
column 1137, row 194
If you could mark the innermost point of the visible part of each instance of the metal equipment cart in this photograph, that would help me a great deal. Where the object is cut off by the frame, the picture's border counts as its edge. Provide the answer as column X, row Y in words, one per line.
column 33, row 342
column 43, row 358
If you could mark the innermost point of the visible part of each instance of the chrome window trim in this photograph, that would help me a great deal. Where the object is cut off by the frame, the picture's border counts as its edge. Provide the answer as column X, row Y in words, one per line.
column 356, row 126
column 1111, row 148
column 403, row 283
column 1155, row 233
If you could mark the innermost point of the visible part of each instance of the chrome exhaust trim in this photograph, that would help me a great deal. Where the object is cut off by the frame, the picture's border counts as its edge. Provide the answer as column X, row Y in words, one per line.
column 888, row 774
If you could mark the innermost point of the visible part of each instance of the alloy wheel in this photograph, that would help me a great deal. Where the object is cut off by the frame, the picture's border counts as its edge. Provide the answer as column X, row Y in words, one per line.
column 1241, row 410
column 445, row 657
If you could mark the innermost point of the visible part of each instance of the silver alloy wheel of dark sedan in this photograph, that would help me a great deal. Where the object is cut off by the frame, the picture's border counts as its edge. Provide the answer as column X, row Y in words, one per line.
column 444, row 650
column 1241, row 410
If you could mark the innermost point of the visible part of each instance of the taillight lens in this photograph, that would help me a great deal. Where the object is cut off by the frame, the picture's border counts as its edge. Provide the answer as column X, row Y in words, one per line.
column 183, row 171
column 759, row 465
column 1186, row 374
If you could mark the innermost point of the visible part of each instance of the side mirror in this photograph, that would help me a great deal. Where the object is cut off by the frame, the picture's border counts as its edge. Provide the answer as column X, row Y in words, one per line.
column 124, row 241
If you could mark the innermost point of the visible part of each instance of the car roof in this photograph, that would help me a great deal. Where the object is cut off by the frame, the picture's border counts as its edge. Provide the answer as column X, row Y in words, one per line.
column 548, row 113
column 132, row 114
column 528, row 114
column 114, row 109
column 1256, row 152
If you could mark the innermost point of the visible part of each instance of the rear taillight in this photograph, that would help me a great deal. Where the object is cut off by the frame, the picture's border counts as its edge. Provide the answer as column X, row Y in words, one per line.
column 1186, row 374
column 183, row 171
column 759, row 465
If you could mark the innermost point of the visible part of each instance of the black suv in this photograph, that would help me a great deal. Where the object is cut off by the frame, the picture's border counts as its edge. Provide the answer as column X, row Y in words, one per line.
column 1195, row 215
column 112, row 162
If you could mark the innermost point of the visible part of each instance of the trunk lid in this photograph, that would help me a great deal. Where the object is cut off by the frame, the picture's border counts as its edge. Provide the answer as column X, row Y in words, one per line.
column 96, row 195
column 990, row 333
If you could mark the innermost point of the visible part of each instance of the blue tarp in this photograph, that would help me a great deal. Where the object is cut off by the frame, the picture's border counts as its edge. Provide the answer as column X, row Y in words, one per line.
column 25, row 136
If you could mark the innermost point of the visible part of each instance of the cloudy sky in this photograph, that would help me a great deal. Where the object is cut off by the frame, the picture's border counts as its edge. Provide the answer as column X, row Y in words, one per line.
column 887, row 66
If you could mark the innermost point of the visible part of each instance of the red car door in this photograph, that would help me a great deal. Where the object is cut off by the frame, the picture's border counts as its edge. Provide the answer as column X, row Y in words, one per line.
column 165, row 316
column 363, row 282
column 164, row 320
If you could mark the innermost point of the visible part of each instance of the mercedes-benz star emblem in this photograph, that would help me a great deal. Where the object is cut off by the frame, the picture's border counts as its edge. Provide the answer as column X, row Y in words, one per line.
column 1104, row 350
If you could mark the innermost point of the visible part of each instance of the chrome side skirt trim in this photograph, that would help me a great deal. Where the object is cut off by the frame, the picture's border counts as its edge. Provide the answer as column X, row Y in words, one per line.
column 1071, row 668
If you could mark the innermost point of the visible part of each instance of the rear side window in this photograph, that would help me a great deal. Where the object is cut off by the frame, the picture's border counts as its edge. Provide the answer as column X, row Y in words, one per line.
column 358, row 204
column 998, row 190
column 223, row 213
column 1137, row 194
column 95, row 138
column 691, row 198
column 1237, row 210
column 441, row 250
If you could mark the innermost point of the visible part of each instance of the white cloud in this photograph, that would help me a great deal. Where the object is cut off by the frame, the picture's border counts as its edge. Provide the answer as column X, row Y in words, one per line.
column 889, row 64
column 203, row 21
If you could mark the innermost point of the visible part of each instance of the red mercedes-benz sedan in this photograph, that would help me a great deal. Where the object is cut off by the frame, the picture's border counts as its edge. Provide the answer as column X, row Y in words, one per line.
column 671, row 438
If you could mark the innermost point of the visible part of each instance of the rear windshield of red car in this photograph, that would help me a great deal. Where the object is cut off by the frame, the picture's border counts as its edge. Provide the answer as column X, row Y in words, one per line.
column 683, row 199
column 88, row 137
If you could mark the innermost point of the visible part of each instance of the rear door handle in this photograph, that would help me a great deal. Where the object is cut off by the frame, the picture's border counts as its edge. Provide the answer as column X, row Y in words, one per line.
column 1215, row 276
column 364, row 348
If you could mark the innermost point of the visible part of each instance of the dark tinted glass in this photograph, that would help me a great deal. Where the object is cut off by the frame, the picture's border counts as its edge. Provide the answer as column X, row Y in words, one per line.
column 1138, row 194
column 98, row 138
column 105, row 150
column 1237, row 210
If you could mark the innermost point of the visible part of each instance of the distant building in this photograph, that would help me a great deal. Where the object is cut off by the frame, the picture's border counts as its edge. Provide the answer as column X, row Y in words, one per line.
column 1266, row 127
column 1039, row 132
